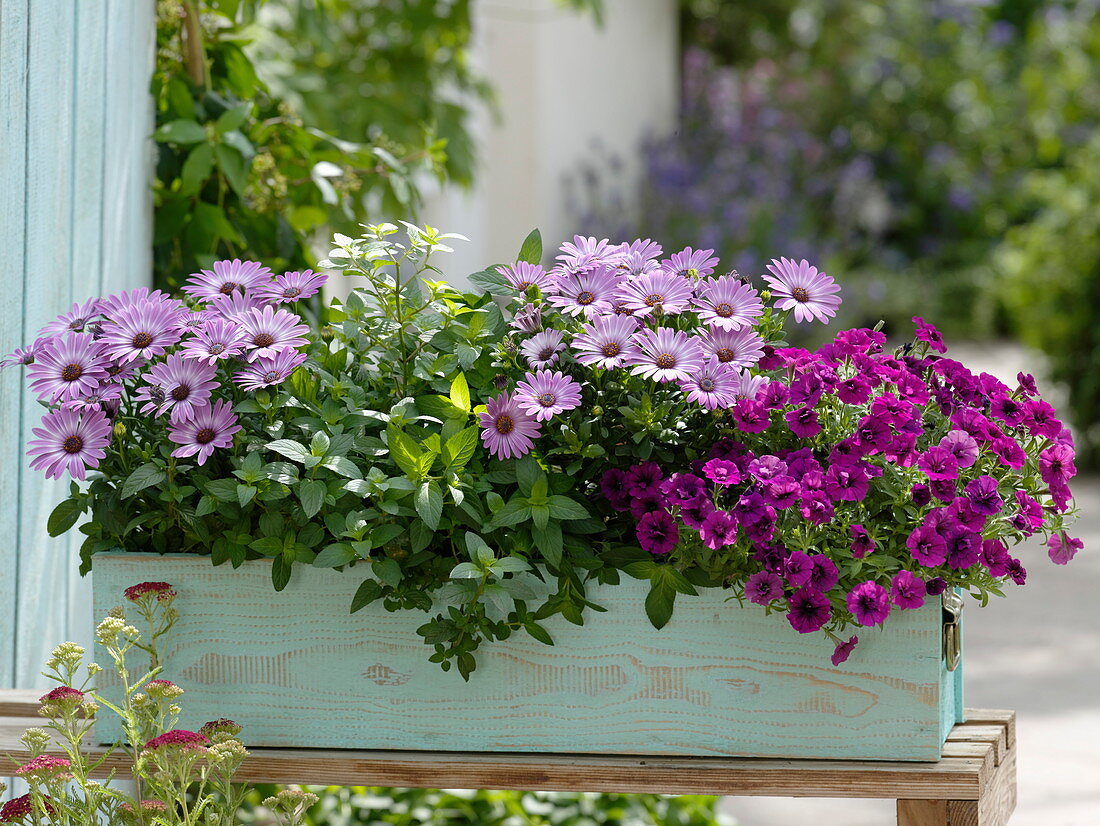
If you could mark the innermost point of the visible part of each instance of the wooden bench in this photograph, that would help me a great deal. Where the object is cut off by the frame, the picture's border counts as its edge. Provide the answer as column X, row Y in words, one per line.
column 973, row 784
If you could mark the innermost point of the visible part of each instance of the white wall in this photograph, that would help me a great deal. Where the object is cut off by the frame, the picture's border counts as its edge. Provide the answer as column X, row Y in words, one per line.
column 565, row 88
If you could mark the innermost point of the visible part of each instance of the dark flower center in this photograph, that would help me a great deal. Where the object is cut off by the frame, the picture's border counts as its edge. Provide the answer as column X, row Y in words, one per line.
column 263, row 340
column 504, row 424
column 271, row 376
column 292, row 292
column 800, row 294
column 653, row 299
column 546, row 353
column 73, row 444
column 26, row 358
column 77, row 324
column 724, row 310
column 141, row 340
column 547, row 399
column 585, row 297
column 706, row 385
column 205, row 436
column 72, row 372
column 666, row 361
column 216, row 348
column 180, row 392
column 725, row 354
column 228, row 287
column 611, row 349
column 114, row 370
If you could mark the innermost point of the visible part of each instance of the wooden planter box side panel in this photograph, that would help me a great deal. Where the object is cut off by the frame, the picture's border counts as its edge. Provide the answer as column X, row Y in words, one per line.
column 296, row 669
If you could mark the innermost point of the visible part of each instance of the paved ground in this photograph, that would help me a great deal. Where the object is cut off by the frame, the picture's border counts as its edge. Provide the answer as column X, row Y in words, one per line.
column 1038, row 651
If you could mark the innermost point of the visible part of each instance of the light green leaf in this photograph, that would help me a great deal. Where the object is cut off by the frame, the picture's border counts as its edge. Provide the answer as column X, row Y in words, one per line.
column 511, row 564
column 334, row 555
column 196, row 169
column 405, row 452
column 549, row 542
column 531, row 251
column 245, row 494
column 459, row 449
column 64, row 516
column 342, row 465
column 513, row 513
column 233, row 118
column 429, row 503
column 466, row 570
column 181, row 131
column 289, row 448
column 460, row 393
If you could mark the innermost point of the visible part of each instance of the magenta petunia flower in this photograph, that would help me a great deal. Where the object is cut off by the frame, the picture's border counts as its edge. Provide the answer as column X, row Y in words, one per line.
column 177, row 386
column 983, row 496
column 588, row 293
column 507, row 430
column 206, row 429
column 657, row 532
column 844, row 650
column 1061, row 548
column 269, row 331
column 928, row 333
column 291, row 286
column 24, row 356
column 926, row 546
column 907, row 590
column 522, row 276
column 543, row 349
column 227, row 277
column 666, row 355
column 683, row 489
column 722, row 472
column 70, row 440
column 823, row 573
column 693, row 264
column 606, row 343
column 237, row 305
column 862, row 543
column 963, row 446
column 268, row 372
column 799, row 286
column 728, row 303
column 763, row 587
column 718, row 530
column 644, row 479
column 737, row 348
column 657, row 292
column 939, row 463
column 1056, row 464
column 74, row 321
column 141, row 331
column 216, row 340
column 808, row 610
column 869, row 603
column 803, row 422
column 713, row 386
column 68, row 368
column 545, row 394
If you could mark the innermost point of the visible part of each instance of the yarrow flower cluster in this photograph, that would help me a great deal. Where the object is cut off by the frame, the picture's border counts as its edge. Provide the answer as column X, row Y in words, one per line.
column 144, row 353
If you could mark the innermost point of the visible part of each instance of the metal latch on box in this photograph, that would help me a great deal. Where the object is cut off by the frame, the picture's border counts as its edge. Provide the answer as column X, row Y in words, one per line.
column 952, row 630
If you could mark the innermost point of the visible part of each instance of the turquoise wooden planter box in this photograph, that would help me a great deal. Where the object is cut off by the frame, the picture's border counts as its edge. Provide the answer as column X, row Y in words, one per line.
column 296, row 669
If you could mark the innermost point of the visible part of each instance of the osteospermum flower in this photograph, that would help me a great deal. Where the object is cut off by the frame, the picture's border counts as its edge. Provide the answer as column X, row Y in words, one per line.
column 268, row 331
column 657, row 292
column 692, row 264
column 737, row 348
column 204, row 430
column 542, row 349
column 291, row 286
column 226, row 277
column 545, row 394
column 802, row 288
column 141, row 331
column 666, row 355
column 68, row 368
column 607, row 342
column 748, row 385
column 24, row 355
column 268, row 372
column 713, row 386
column 74, row 321
column 583, row 253
column 116, row 302
column 528, row 319
column 236, row 305
column 728, row 303
column 506, row 428
column 106, row 396
column 70, row 440
column 588, row 293
column 522, row 275
column 177, row 386
column 216, row 340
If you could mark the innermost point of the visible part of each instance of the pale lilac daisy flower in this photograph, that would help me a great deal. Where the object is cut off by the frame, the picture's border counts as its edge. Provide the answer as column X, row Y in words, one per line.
column 106, row 396
column 227, row 277
column 177, row 386
column 237, row 305
column 713, row 386
column 748, row 385
column 528, row 319
column 542, row 349
column 267, row 372
column 507, row 430
column 801, row 287
column 607, row 342
column 639, row 258
column 206, row 429
column 190, row 321
column 74, row 321
column 142, row 295
column 269, row 331
column 292, row 286
column 583, row 253
column 588, row 293
column 70, row 440
column 24, row 356
column 666, row 355
column 118, row 372
column 522, row 275
column 141, row 331
column 216, row 340
column 657, row 292
column 68, row 368
column 644, row 249
column 545, row 394
column 691, row 264
column 738, row 348
column 728, row 303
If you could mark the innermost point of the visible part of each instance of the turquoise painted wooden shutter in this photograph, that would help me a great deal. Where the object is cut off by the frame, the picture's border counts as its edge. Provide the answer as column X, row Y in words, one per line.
column 75, row 222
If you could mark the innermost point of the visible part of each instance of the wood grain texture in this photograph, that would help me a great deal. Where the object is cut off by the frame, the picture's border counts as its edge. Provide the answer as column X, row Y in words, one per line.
column 296, row 669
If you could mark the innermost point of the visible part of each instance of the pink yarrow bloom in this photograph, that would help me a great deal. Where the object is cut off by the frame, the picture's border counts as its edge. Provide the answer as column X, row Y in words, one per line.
column 666, row 355
column 728, row 303
column 292, row 286
column 545, row 394
column 801, row 287
column 179, row 738
column 68, row 368
column 204, row 430
column 507, row 430
column 227, row 277
column 269, row 331
column 159, row 590
column 70, row 440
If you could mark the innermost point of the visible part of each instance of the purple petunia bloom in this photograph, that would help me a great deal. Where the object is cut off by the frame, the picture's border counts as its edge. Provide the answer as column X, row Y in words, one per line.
column 644, row 479
column 907, row 590
column 216, row 340
column 843, row 650
column 204, row 430
column 750, row 416
column 847, row 483
column 1061, row 548
column 964, row 547
column 817, row 508
column 722, row 472
column 647, row 502
column 718, row 530
column 856, row 390
column 928, row 333
column 808, row 610
column 615, row 489
column 683, row 488
column 227, row 277
column 657, row 292
column 983, row 496
column 689, row 263
column 269, row 331
column 823, row 573
column 74, row 321
column 177, row 386
column 291, row 286
column 606, row 343
column 24, row 356
column 545, row 394
column 522, row 275
column 142, row 331
column 666, row 355
column 68, row 368
column 939, row 463
column 962, row 446
column 926, row 546
column 657, row 532
column 763, row 587
column 714, row 386
column 803, row 422
column 506, row 428
column 801, row 287
column 862, row 543
column 869, row 603
column 70, row 440
column 695, row 513
column 728, row 303
column 737, row 348
column 797, row 568
column 270, row 371
column 588, row 293
column 1056, row 464
column 542, row 349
